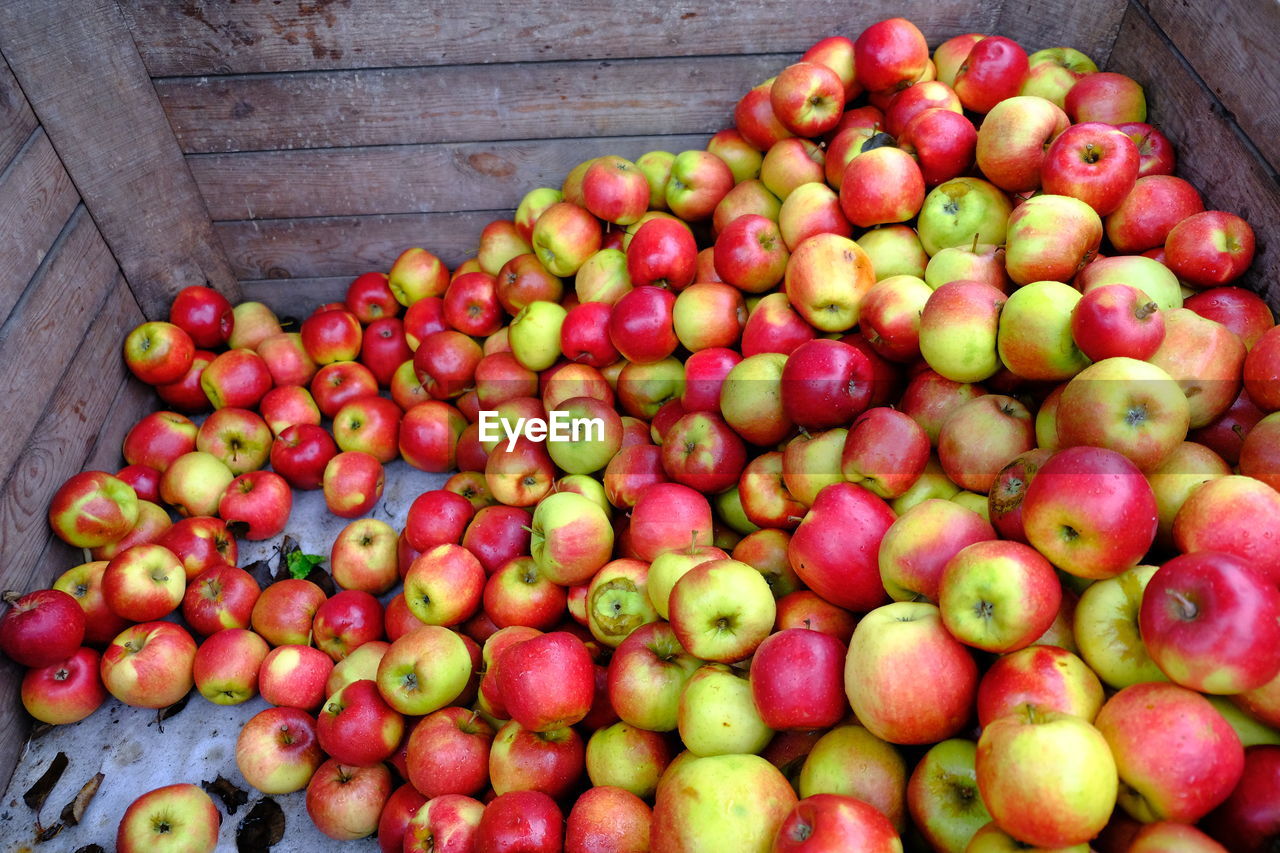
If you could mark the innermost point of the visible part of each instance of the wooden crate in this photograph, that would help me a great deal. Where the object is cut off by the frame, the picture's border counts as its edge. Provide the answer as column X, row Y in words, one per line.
column 277, row 148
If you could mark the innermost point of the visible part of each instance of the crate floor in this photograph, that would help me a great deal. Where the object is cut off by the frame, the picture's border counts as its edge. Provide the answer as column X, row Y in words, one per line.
column 137, row 754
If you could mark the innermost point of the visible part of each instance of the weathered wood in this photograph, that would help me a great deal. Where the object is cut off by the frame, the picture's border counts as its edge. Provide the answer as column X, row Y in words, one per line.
column 80, row 71
column 461, row 103
column 36, row 199
column 46, row 329
column 1215, row 155
column 62, row 441
column 16, row 119
column 1087, row 25
column 198, row 38
column 296, row 296
column 401, row 178
column 348, row 245
column 1234, row 46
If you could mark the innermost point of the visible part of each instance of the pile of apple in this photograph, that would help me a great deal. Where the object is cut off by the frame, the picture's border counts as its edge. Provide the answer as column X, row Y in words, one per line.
column 761, row 537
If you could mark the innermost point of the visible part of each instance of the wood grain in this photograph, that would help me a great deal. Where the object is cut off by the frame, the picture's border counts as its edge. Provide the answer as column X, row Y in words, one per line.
column 205, row 38
column 401, row 178
column 36, row 199
column 47, row 328
column 296, row 296
column 461, row 103
column 1214, row 153
column 1087, row 25
column 1234, row 46
column 347, row 245
column 80, row 71
column 16, row 119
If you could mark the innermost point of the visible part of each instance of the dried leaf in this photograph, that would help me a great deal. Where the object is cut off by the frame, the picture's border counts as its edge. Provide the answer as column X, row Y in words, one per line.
column 39, row 792
column 46, row 833
column 172, row 711
column 262, row 827
column 261, row 571
column 73, row 812
column 232, row 797
column 91, row 848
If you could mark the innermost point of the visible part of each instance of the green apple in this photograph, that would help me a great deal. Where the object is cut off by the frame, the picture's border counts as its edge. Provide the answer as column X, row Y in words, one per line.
column 1053, row 71
column 669, row 566
column 535, row 334
column 973, row 262
column 728, row 508
column 999, row 596
column 1250, row 731
column 942, row 796
column 1146, row 274
column 751, row 399
column 959, row 329
column 962, row 211
column 1106, row 629
column 572, row 538
column 424, row 670
column 894, row 250
column 718, row 715
column 590, row 434
column 1051, row 238
column 932, row 483
column 811, row 462
column 618, row 601
column 603, row 277
column 1034, row 340
column 721, row 610
column 627, row 757
column 656, row 168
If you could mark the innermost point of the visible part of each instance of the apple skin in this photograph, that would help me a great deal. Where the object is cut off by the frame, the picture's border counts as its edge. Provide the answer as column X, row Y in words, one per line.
column 797, row 680
column 149, row 665
column 42, row 628
column 881, row 779
column 959, row 328
column 980, row 437
column 942, row 796
column 219, row 597
column 144, row 583
column 694, row 805
column 1149, row 212
column 1211, row 622
column 523, row 760
column 277, row 751
column 283, row 613
column 889, row 55
column 994, row 71
column 920, row 542
column 885, row 451
column 519, row 821
column 834, row 548
column 1207, row 522
column 356, row 725
column 907, row 679
column 174, row 819
column 66, row 691
column 345, row 801
column 1164, row 736
column 721, row 610
column 606, row 819
column 1051, row 237
column 623, row 756
column 998, row 596
column 158, row 352
column 1093, row 162
column 1242, row 311
column 1169, row 835
column 1250, row 819
column 1046, row 678
column 547, row 681
column 1013, row 139
column 295, row 677
column 827, row 278
column 1051, row 759
column 93, row 508
column 808, row 98
column 646, row 676
column 831, row 822
column 881, row 186
column 1106, row 97
column 424, row 670
column 1117, row 320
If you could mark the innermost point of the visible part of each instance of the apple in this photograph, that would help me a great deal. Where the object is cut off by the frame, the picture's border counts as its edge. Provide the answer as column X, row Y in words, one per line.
column 424, row 670
column 1051, row 237
column 295, row 677
column 360, row 664
column 919, row 543
column 609, row 819
column 252, row 322
column 833, row 549
column 287, row 405
column 942, row 796
column 994, row 71
column 695, row 799
column 66, row 691
column 174, row 819
column 881, row 186
column 959, row 328
column 998, row 596
column 1117, row 320
column 345, row 801
column 1162, row 736
column 284, row 611
column 1053, row 71
column 907, row 679
column 698, row 180
column 1015, row 754
column 808, row 98
column 1168, row 835
column 943, row 142
column 158, row 439
column 889, row 55
column 790, row 164
column 836, row 822
column 84, row 584
column 1242, row 311
column 42, row 628
column 1197, row 612
column 149, row 665
column 158, row 352
column 646, row 677
column 1125, row 405
column 1043, row 677
column 1218, row 499
column 950, row 55
column 1205, row 358
column 144, row 583
column 1014, row 138
column 287, row 359
column 797, row 680
column 882, row 778
column 1209, row 248
column 416, row 275
column 885, row 451
column 1149, row 212
column 626, row 757
column 520, row 820
column 443, row 586
column 353, row 481
column 345, row 621
column 980, row 437
column 1106, row 97
column 1004, row 500
column 721, row 610
column 226, row 666
column 93, row 508
column 370, row 424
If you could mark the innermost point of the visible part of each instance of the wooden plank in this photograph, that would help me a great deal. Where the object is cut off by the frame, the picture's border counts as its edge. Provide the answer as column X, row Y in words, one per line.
column 1232, row 44
column 16, row 119
column 296, row 297
column 1216, row 155
column 1087, row 25
column 198, row 38
column 80, row 71
column 401, row 178
column 348, row 245
column 36, row 199
column 47, row 327
column 461, row 103
column 62, row 441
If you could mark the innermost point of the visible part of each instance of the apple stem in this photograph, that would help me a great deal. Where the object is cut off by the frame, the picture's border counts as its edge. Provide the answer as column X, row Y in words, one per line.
column 1187, row 609
column 10, row 596
column 1146, row 310
column 973, row 250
